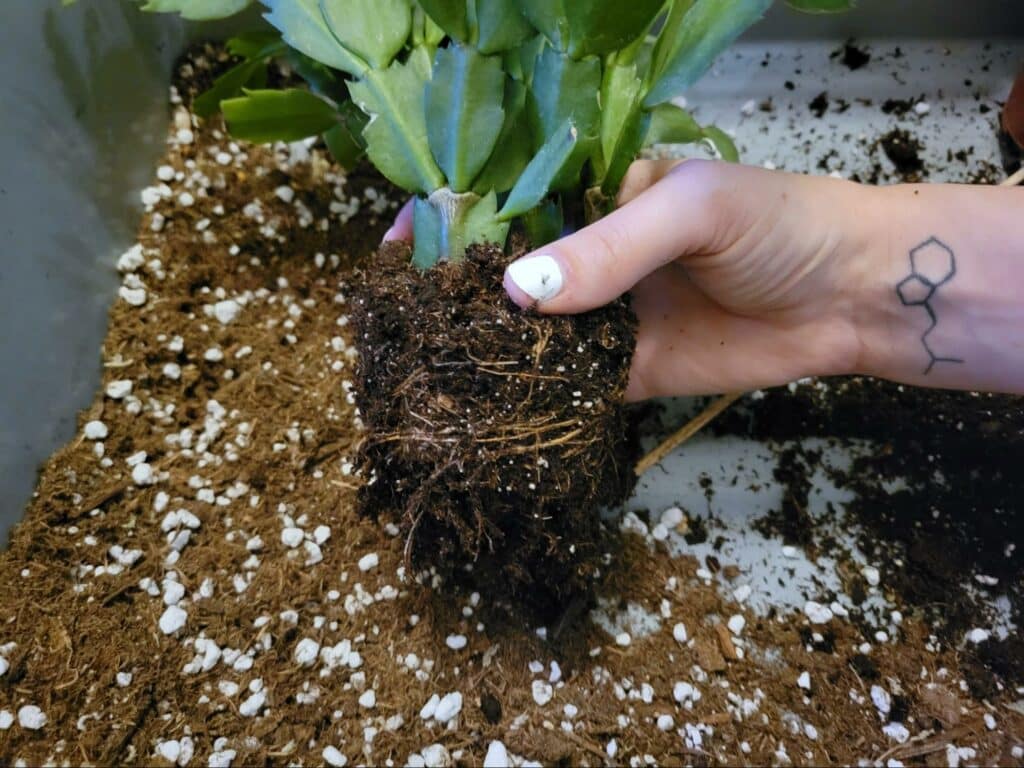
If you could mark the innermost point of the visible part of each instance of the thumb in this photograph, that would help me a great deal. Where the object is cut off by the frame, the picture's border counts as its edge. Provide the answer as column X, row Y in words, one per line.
column 671, row 218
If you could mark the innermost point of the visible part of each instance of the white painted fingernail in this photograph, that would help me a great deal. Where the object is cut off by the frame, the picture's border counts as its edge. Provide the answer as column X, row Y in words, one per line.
column 539, row 277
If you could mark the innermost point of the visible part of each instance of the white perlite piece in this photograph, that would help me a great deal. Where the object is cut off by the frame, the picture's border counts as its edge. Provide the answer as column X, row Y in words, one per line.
column 804, row 681
column 665, row 723
column 679, row 632
column 4, row 666
column 623, row 639
column 497, row 756
column 292, row 537
column 736, row 624
column 135, row 297
column 881, row 699
column 306, row 652
column 119, row 389
column 368, row 699
column 95, row 430
column 131, row 259
column 436, row 756
column 333, row 757
column 871, row 575
column 6, row 719
column 978, row 635
column 448, row 707
column 897, row 732
column 542, row 692
column 817, row 613
column 456, row 642
column 226, row 311
column 221, row 758
column 172, row 620
column 253, row 705
column 368, row 562
column 31, row 717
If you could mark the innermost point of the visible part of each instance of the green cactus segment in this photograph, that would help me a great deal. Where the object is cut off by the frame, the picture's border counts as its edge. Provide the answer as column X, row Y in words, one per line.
column 514, row 147
column 501, row 26
column 374, row 30
column 197, row 10
column 303, row 27
column 396, row 134
column 464, row 113
column 722, row 143
column 628, row 146
column 689, row 46
column 539, row 177
column 345, row 140
column 450, row 15
column 447, row 223
column 544, row 223
column 265, row 116
column 672, row 125
column 585, row 27
column 620, row 96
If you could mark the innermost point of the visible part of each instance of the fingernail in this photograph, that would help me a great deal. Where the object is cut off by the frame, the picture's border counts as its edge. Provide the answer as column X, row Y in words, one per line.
column 539, row 277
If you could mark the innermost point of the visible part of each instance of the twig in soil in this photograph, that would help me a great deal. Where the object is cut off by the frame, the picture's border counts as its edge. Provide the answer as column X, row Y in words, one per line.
column 1014, row 180
column 687, row 431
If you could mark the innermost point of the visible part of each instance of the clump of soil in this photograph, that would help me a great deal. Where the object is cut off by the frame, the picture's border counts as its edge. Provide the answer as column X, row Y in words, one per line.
column 904, row 150
column 852, row 56
column 494, row 433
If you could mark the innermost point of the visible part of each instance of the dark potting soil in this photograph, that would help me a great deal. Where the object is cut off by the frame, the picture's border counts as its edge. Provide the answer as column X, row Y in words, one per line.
column 903, row 150
column 957, row 513
column 493, row 432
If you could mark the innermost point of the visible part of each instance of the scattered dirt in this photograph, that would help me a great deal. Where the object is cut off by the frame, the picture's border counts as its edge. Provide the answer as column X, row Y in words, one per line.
column 493, row 432
column 852, row 56
column 904, row 150
column 948, row 538
column 191, row 583
column 819, row 104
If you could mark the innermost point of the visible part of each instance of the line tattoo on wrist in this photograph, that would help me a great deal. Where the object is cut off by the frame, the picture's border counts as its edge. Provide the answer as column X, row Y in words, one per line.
column 932, row 265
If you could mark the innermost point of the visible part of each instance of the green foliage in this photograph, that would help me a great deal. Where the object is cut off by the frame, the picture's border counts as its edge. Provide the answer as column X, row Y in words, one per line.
column 695, row 39
column 290, row 115
column 396, row 136
column 491, row 111
column 373, row 30
column 539, row 176
column 464, row 112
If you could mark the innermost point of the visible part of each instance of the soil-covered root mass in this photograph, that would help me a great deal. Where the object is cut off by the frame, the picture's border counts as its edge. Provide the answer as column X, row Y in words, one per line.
column 496, row 433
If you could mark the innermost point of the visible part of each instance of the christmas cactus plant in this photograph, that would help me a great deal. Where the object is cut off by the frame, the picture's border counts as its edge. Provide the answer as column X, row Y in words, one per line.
column 493, row 434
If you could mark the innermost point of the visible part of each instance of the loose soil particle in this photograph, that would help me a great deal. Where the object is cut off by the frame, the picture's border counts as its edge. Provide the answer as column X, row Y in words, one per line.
column 293, row 608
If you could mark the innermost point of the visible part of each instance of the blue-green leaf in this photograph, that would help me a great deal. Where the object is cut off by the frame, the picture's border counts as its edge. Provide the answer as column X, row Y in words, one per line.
column 396, row 136
column 501, row 26
column 449, row 15
column 464, row 112
column 584, row 27
column 198, row 10
column 374, row 30
column 303, row 27
column 514, row 148
column 290, row 115
column 564, row 89
column 542, row 172
column 707, row 28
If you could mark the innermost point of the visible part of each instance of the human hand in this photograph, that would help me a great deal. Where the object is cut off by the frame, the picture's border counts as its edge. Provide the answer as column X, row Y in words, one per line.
column 741, row 278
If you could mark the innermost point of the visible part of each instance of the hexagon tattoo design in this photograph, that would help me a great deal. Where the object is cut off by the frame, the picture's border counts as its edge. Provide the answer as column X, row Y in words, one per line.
column 932, row 265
